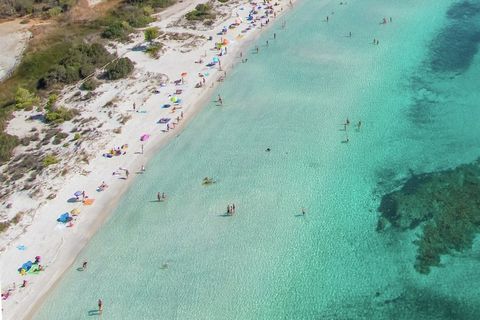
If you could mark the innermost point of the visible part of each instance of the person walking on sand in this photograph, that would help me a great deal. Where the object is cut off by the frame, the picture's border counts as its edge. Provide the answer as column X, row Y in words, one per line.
column 100, row 306
column 134, row 106
column 126, row 173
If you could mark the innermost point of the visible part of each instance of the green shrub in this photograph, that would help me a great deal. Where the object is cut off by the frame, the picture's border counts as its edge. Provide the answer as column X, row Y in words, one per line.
column 52, row 99
column 116, row 30
column 154, row 49
column 53, row 12
column 7, row 144
column 79, row 61
column 89, row 84
column 76, row 136
column 118, row 69
column 24, row 99
column 151, row 34
column 49, row 160
column 202, row 12
column 59, row 115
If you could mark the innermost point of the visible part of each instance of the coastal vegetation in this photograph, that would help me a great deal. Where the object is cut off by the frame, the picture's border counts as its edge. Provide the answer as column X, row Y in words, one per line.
column 118, row 69
column 61, row 54
column 202, row 12
column 36, row 8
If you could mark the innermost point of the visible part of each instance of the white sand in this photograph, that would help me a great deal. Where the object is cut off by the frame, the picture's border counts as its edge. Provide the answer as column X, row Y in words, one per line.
column 39, row 232
column 13, row 40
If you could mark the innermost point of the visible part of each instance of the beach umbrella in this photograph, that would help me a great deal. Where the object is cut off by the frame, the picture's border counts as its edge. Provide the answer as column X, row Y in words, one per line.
column 174, row 99
column 184, row 74
column 144, row 137
column 78, row 193
column 215, row 59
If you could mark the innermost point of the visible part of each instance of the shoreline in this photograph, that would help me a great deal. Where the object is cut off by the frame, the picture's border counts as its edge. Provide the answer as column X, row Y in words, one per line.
column 76, row 241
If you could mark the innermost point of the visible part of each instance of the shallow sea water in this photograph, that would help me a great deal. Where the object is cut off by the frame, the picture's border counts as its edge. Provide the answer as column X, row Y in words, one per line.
column 416, row 94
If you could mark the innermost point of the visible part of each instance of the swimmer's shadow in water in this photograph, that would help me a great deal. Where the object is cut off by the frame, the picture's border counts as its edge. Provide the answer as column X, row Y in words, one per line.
column 224, row 215
column 94, row 312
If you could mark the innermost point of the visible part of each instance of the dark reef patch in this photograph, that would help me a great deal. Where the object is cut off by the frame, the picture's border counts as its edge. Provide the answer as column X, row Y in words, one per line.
column 453, row 49
column 446, row 202
column 412, row 303
column 450, row 53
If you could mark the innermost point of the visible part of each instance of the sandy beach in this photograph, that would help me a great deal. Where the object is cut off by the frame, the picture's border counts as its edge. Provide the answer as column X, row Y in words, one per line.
column 13, row 37
column 118, row 114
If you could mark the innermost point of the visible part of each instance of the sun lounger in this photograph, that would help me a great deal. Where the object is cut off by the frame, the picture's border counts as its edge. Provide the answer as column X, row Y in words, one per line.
column 164, row 120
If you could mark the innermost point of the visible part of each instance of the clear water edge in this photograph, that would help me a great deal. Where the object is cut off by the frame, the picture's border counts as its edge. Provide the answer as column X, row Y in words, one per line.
column 268, row 262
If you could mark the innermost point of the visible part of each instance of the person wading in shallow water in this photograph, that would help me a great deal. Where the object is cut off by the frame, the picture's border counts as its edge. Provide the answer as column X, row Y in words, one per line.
column 100, row 306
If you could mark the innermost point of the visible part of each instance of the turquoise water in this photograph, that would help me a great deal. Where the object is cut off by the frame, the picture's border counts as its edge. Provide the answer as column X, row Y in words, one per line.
column 416, row 94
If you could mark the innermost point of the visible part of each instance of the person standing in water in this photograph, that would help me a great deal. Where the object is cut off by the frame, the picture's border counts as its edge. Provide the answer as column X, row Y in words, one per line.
column 84, row 265
column 220, row 100
column 159, row 197
column 100, row 306
column 303, row 211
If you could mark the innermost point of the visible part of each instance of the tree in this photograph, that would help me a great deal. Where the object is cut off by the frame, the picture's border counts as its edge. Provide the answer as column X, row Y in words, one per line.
column 151, row 34
column 24, row 99
column 119, row 69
